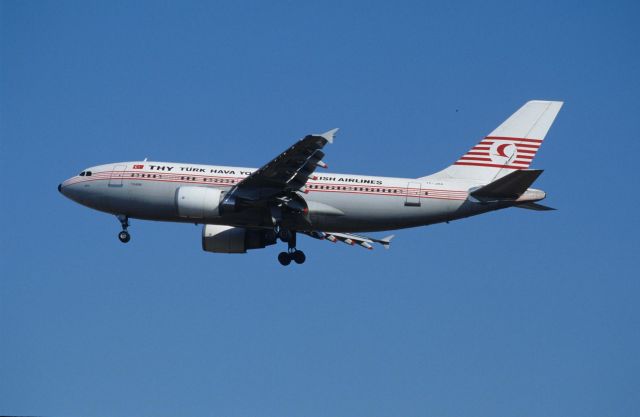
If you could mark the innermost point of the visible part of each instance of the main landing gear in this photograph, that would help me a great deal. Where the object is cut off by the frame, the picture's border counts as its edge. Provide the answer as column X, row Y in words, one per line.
column 124, row 235
column 292, row 254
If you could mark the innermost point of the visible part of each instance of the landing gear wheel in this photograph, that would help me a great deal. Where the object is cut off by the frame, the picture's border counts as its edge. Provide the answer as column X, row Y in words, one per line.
column 284, row 258
column 124, row 236
column 298, row 257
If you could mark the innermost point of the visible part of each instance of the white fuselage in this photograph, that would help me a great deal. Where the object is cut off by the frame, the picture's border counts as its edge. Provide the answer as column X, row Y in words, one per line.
column 336, row 202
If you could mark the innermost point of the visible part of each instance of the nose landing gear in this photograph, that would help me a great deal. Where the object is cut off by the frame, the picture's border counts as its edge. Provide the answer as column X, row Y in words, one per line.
column 292, row 254
column 124, row 235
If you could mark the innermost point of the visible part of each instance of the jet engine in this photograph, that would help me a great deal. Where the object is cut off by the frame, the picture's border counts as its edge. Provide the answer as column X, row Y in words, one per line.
column 229, row 239
column 198, row 202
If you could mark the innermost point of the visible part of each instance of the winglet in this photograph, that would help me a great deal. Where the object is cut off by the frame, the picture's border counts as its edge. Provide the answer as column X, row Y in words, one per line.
column 386, row 241
column 329, row 135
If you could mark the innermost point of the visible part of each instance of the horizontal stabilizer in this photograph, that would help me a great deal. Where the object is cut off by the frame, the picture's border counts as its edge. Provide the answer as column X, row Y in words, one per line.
column 511, row 186
column 535, row 206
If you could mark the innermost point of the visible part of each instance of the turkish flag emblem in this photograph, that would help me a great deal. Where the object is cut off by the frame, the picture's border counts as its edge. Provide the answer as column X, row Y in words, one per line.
column 138, row 166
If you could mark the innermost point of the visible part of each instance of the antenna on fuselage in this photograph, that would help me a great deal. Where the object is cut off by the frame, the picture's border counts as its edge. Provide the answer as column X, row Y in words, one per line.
column 145, row 159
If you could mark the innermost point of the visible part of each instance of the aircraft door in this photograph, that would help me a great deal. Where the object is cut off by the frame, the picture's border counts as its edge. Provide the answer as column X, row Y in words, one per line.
column 413, row 194
column 117, row 174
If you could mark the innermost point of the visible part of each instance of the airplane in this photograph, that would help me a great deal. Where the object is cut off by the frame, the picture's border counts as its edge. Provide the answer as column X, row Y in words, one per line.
column 246, row 208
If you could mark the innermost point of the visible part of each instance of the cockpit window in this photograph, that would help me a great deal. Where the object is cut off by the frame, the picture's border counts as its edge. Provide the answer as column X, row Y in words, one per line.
column 88, row 173
column 82, row 174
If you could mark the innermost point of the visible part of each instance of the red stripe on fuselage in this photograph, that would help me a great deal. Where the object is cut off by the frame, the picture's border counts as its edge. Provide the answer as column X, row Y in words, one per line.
column 375, row 190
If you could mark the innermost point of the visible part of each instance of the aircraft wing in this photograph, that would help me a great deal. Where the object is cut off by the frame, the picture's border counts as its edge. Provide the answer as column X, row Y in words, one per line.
column 287, row 172
column 351, row 239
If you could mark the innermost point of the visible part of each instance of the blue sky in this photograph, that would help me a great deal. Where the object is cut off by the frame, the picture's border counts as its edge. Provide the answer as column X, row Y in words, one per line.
column 510, row 313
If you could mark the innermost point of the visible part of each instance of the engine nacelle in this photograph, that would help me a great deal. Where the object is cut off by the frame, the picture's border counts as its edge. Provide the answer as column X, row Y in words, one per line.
column 229, row 239
column 198, row 202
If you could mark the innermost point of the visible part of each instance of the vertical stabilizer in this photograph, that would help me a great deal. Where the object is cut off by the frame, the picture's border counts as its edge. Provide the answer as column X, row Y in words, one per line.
column 511, row 146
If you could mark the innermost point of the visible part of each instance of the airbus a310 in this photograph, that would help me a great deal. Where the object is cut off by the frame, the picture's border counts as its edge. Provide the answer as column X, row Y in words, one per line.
column 247, row 208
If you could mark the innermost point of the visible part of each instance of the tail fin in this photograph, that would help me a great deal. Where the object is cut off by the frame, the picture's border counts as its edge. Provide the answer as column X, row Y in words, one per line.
column 510, row 147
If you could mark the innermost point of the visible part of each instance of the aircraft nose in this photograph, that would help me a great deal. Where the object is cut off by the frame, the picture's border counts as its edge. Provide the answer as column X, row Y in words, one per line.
column 60, row 187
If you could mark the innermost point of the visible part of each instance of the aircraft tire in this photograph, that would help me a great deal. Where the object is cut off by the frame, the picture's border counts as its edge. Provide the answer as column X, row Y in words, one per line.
column 124, row 236
column 299, row 257
column 284, row 258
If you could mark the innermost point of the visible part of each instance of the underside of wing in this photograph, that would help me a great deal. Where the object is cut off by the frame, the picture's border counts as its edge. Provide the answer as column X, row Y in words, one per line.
column 352, row 239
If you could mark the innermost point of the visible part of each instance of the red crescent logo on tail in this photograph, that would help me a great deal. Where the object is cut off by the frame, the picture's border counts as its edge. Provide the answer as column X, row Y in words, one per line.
column 500, row 149
column 502, row 152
